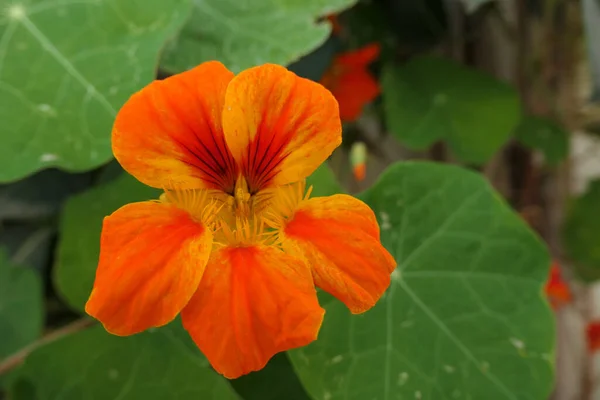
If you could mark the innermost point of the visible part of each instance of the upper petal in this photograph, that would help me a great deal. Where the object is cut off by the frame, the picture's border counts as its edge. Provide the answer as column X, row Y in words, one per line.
column 169, row 134
column 279, row 127
column 252, row 303
column 339, row 238
column 152, row 257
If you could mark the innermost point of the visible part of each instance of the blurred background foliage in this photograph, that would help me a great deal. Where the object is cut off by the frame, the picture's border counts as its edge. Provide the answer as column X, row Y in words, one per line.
column 479, row 115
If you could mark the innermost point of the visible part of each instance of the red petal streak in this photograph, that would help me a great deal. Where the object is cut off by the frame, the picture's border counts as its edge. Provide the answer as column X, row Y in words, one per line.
column 279, row 127
column 169, row 135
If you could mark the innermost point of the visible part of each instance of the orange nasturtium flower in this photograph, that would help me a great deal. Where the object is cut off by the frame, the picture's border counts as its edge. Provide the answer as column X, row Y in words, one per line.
column 234, row 244
column 351, row 82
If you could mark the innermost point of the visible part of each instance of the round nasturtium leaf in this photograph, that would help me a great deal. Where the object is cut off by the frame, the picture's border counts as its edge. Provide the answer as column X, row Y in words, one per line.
column 242, row 34
column 430, row 99
column 65, row 69
column 465, row 314
column 93, row 364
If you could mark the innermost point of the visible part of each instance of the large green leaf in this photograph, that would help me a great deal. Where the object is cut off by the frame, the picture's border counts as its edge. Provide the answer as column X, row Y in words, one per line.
column 430, row 99
column 161, row 364
column 21, row 311
column 581, row 232
column 546, row 136
column 65, row 68
column 80, row 227
column 464, row 316
column 242, row 34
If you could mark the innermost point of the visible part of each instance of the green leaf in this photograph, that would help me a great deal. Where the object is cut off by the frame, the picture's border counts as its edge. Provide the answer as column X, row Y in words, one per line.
column 430, row 99
column 65, row 68
column 546, row 136
column 465, row 315
column 276, row 381
column 324, row 182
column 581, row 231
column 21, row 307
column 93, row 364
column 244, row 34
column 80, row 227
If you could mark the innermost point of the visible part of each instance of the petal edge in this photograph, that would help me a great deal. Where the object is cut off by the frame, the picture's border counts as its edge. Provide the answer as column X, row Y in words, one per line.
column 339, row 238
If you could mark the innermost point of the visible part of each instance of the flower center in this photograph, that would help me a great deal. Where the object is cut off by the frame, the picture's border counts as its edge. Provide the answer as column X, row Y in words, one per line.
column 241, row 219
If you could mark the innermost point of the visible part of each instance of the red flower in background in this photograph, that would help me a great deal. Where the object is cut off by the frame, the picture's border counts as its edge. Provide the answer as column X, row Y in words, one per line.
column 557, row 290
column 593, row 336
column 350, row 81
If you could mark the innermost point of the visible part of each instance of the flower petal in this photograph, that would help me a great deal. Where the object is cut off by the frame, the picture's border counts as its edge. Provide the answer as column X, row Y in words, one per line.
column 252, row 303
column 279, row 127
column 339, row 238
column 359, row 58
column 354, row 90
column 169, row 134
column 350, row 81
column 152, row 257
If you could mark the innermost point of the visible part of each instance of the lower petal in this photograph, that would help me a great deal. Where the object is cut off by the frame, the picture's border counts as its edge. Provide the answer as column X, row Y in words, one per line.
column 252, row 303
column 152, row 257
column 339, row 238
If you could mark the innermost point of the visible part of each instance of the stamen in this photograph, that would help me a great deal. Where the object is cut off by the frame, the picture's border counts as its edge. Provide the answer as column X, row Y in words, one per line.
column 202, row 204
column 285, row 201
column 247, row 232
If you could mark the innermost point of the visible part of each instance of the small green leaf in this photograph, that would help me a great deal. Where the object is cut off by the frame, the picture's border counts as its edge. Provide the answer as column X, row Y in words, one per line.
column 80, row 227
column 21, row 307
column 244, row 34
column 544, row 135
column 66, row 67
column 581, row 232
column 324, row 182
column 430, row 99
column 92, row 364
column 464, row 316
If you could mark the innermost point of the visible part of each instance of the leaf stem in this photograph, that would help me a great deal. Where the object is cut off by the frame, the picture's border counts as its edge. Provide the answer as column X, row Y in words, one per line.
column 17, row 358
